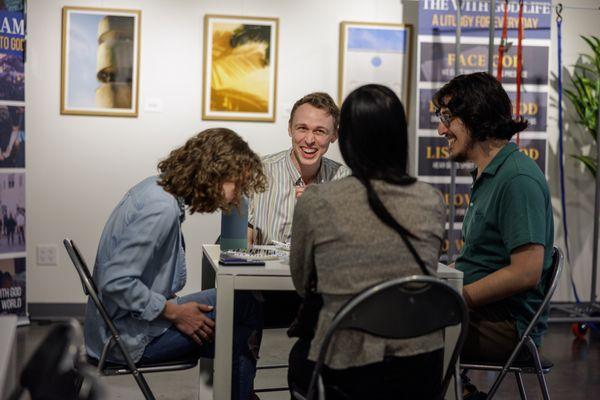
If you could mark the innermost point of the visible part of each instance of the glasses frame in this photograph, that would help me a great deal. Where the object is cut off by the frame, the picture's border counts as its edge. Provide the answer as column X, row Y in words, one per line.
column 444, row 117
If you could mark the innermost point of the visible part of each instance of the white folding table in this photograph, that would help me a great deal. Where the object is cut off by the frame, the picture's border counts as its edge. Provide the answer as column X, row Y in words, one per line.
column 275, row 275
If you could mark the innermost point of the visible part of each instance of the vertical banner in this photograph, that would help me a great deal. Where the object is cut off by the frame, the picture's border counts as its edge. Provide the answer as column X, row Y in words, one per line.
column 436, row 62
column 12, row 159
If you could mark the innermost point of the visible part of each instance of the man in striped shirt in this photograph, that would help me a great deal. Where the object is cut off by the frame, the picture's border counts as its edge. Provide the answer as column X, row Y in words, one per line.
column 313, row 127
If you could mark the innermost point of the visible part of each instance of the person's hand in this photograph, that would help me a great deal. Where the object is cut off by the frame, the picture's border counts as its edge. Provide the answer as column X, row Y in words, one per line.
column 299, row 190
column 453, row 265
column 189, row 319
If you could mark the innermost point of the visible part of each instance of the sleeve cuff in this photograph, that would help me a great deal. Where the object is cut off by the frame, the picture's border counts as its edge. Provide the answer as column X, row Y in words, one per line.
column 154, row 308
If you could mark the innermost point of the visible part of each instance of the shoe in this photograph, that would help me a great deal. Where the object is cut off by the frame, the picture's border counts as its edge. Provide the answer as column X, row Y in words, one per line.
column 473, row 393
column 253, row 396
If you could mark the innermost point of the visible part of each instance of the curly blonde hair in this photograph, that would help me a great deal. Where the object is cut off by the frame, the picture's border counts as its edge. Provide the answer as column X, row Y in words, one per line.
column 196, row 171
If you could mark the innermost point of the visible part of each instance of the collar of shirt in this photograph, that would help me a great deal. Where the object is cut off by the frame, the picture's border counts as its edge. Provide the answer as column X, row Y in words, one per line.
column 497, row 161
column 181, row 205
column 295, row 174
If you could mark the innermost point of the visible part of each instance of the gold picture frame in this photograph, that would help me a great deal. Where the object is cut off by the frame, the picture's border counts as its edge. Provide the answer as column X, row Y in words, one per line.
column 379, row 53
column 239, row 74
column 100, row 61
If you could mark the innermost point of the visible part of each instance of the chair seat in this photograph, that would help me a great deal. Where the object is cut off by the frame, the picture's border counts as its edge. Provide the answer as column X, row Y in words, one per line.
column 525, row 365
column 122, row 369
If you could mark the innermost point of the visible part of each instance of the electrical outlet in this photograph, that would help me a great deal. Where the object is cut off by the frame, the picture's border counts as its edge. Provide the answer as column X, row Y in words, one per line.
column 47, row 254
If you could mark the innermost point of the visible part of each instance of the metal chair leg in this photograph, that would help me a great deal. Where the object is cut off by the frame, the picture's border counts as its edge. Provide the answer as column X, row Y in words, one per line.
column 520, row 385
column 78, row 383
column 538, row 368
column 141, row 381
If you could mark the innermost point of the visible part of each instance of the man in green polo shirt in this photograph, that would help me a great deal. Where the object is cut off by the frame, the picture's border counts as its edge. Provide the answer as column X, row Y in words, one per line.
column 508, row 228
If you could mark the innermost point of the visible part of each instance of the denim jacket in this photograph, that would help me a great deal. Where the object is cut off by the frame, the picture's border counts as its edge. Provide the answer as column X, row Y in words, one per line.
column 139, row 265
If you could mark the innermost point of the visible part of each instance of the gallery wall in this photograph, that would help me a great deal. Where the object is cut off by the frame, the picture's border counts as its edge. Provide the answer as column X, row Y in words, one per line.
column 79, row 167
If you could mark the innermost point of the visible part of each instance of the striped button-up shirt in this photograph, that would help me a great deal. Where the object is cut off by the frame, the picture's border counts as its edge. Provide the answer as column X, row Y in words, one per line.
column 271, row 212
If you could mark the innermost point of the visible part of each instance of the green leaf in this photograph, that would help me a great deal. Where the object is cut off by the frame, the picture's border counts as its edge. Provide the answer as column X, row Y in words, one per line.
column 589, row 162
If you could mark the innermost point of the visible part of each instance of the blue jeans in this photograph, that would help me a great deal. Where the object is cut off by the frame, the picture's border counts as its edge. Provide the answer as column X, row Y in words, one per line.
column 247, row 334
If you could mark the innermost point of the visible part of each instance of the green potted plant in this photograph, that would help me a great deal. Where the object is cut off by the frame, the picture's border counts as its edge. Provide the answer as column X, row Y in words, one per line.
column 584, row 96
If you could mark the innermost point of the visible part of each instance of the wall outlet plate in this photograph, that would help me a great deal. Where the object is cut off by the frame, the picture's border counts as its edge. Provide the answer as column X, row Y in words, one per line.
column 47, row 254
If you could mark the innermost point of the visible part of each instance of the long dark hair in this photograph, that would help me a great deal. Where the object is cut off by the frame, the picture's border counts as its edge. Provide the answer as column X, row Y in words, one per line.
column 374, row 144
column 373, row 135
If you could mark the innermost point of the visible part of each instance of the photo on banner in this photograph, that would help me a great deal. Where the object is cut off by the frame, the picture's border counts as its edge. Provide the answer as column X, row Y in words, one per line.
column 12, row 44
column 100, row 61
column 375, row 53
column 12, row 286
column 240, row 68
column 12, row 212
column 12, row 136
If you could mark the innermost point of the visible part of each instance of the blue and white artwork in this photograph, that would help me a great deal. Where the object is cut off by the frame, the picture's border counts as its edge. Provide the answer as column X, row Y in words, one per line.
column 375, row 54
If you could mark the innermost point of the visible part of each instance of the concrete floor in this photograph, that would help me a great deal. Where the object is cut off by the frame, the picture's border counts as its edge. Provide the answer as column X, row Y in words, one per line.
column 576, row 375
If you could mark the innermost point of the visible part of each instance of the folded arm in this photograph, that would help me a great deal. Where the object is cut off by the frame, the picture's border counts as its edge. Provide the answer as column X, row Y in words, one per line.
column 523, row 273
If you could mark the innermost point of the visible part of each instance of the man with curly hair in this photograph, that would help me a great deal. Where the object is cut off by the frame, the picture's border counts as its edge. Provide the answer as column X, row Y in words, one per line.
column 508, row 228
column 140, row 264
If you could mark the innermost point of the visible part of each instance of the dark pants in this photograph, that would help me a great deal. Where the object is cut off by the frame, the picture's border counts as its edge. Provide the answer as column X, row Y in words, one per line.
column 416, row 377
column 492, row 335
column 247, row 334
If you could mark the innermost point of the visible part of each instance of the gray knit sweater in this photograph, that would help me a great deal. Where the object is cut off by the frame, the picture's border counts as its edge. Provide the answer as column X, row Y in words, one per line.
column 335, row 231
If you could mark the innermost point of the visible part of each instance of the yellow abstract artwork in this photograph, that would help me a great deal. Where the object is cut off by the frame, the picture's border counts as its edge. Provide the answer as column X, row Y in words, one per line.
column 241, row 70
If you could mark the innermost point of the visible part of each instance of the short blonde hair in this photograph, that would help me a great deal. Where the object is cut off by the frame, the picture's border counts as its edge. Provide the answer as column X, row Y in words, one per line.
column 322, row 101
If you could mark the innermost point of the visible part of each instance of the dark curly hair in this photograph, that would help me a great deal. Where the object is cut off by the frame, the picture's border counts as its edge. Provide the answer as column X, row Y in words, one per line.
column 196, row 171
column 319, row 100
column 482, row 104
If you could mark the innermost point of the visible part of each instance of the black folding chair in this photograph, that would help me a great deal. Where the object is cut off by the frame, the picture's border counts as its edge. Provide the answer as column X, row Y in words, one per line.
column 401, row 308
column 108, row 368
column 534, row 364
column 57, row 368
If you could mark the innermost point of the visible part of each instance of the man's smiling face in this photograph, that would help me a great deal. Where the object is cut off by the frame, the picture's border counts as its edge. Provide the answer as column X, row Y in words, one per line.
column 460, row 142
column 312, row 131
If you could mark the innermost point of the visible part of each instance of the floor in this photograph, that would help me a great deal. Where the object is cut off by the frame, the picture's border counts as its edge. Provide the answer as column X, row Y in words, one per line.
column 576, row 375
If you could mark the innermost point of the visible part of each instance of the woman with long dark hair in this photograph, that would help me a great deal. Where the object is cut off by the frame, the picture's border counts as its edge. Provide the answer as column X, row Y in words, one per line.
column 343, row 241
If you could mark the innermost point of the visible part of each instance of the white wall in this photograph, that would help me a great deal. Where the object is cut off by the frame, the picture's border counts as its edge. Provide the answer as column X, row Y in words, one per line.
column 79, row 167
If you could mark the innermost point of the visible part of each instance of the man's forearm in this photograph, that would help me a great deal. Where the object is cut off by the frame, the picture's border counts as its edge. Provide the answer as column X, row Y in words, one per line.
column 499, row 285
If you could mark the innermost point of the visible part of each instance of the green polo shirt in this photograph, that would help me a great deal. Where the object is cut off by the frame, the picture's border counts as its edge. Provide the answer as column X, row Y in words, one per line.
column 509, row 207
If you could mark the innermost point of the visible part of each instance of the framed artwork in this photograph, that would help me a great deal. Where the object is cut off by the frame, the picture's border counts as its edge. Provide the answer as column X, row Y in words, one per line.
column 375, row 53
column 240, row 68
column 100, row 61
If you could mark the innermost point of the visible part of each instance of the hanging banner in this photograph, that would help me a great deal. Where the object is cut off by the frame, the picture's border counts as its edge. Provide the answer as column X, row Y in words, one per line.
column 534, row 108
column 12, row 160
column 436, row 60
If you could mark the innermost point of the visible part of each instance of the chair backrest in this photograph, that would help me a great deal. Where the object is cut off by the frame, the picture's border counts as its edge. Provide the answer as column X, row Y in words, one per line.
column 399, row 309
column 57, row 364
column 551, row 279
column 83, row 270
column 89, row 286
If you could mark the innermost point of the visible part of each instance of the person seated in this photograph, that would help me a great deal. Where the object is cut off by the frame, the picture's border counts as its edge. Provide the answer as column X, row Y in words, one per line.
column 341, row 246
column 508, row 228
column 312, row 127
column 140, row 264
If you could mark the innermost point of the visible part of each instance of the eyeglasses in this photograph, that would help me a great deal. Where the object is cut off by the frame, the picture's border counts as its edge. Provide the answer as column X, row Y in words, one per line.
column 445, row 117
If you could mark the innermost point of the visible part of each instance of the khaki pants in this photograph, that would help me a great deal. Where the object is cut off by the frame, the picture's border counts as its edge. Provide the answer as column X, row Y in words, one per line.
column 492, row 335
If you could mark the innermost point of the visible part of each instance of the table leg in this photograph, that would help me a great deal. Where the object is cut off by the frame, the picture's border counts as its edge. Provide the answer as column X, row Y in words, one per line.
column 223, row 337
column 450, row 338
